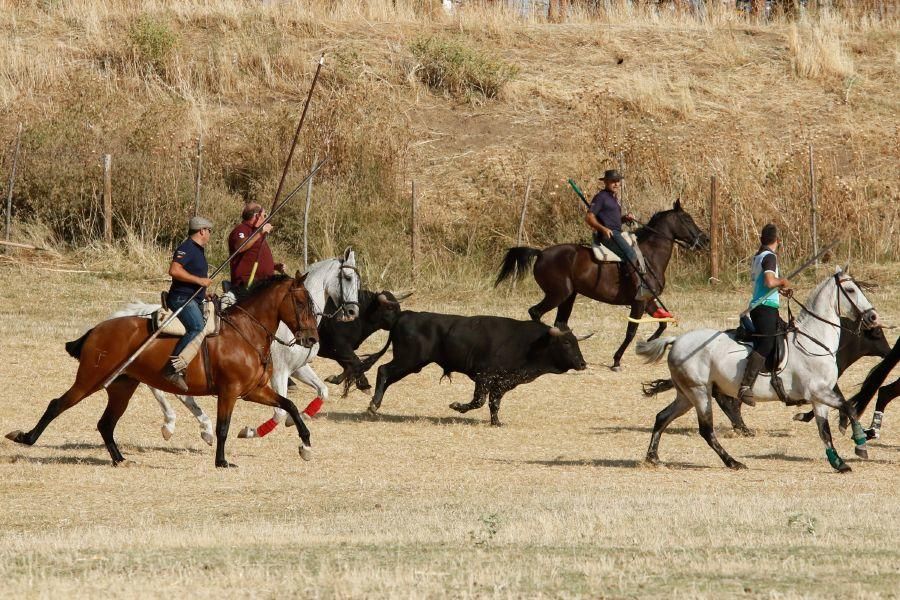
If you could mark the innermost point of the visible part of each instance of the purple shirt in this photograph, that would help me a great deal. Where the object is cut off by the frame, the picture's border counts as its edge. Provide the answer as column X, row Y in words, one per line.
column 605, row 206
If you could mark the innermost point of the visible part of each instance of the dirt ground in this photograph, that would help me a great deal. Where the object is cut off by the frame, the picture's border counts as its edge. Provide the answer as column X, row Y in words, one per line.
column 423, row 502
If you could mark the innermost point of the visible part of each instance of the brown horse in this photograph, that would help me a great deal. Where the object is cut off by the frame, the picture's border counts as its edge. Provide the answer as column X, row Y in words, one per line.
column 238, row 360
column 566, row 270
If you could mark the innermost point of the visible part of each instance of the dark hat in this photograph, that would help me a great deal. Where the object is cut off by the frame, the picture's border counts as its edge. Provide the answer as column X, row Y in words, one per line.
column 612, row 175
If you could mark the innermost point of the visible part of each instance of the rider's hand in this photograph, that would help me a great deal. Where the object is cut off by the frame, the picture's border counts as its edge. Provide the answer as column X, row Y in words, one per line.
column 607, row 233
column 279, row 267
column 267, row 228
column 628, row 218
column 205, row 281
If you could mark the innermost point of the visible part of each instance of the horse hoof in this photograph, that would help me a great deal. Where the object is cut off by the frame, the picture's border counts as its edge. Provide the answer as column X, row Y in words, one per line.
column 495, row 423
column 737, row 465
column 207, row 437
column 124, row 464
column 373, row 410
column 844, row 468
column 651, row 461
column 862, row 452
column 335, row 379
column 16, row 436
column 872, row 434
column 245, row 433
column 166, row 432
column 616, row 369
column 744, row 432
column 457, row 407
column 224, row 464
column 306, row 453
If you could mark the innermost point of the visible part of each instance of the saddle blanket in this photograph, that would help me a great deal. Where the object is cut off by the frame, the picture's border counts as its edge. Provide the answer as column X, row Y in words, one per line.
column 604, row 254
column 176, row 327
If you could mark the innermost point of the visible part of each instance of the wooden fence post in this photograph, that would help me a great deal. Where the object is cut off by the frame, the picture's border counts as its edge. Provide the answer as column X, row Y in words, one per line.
column 414, row 238
column 713, row 229
column 521, row 232
column 306, row 218
column 12, row 179
column 197, row 179
column 107, row 198
column 813, row 208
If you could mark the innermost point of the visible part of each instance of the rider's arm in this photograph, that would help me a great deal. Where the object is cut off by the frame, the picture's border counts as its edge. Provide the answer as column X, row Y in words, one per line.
column 773, row 281
column 596, row 225
column 179, row 273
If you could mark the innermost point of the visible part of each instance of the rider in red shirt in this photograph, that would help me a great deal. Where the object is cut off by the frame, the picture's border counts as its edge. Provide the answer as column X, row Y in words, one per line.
column 256, row 252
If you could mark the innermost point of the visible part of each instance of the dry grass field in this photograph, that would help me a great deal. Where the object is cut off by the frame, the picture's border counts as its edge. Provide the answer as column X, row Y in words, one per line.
column 423, row 502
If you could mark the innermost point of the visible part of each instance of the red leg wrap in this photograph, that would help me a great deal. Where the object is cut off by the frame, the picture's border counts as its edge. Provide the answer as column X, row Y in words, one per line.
column 266, row 428
column 313, row 407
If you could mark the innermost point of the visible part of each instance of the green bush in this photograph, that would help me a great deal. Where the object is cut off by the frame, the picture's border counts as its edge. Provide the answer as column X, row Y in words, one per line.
column 448, row 66
column 152, row 42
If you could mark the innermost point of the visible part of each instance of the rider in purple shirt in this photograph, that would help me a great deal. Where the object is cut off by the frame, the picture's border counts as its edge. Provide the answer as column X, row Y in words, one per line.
column 605, row 218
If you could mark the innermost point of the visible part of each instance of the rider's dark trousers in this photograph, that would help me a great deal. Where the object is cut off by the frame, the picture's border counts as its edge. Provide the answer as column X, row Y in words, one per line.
column 765, row 321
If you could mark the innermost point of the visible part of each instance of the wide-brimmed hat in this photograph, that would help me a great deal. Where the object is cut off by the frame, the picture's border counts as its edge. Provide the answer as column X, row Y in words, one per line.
column 612, row 175
column 198, row 223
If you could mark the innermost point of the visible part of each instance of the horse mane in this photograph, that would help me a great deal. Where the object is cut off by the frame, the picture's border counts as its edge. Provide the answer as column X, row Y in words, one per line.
column 643, row 232
column 258, row 288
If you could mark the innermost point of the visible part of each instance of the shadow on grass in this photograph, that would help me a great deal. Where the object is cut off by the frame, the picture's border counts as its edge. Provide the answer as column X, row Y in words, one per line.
column 647, row 430
column 847, row 456
column 608, row 463
column 364, row 416
column 58, row 460
column 126, row 448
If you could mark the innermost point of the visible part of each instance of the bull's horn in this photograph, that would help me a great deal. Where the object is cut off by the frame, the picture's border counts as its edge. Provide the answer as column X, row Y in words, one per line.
column 383, row 299
column 556, row 331
column 401, row 296
column 581, row 338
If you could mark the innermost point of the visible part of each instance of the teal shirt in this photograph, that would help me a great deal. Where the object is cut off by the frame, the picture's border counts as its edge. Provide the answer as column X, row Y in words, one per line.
column 765, row 260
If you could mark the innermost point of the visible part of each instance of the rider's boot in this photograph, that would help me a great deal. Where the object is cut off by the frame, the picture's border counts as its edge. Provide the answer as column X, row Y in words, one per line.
column 755, row 364
column 173, row 372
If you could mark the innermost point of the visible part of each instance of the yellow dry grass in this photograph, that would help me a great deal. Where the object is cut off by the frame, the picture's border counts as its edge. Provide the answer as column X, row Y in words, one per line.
column 424, row 502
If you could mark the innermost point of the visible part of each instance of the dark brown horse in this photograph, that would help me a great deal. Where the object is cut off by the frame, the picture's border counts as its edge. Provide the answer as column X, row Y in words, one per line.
column 566, row 270
column 238, row 358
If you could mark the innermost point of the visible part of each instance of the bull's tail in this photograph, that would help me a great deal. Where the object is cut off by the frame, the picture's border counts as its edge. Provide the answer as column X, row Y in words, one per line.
column 517, row 261
column 74, row 347
column 653, row 350
column 657, row 386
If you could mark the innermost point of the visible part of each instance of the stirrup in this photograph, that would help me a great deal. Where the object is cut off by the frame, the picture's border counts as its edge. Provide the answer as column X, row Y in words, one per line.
column 174, row 375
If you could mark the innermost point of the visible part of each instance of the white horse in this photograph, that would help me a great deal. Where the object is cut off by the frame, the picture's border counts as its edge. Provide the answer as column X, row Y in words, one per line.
column 335, row 278
column 704, row 358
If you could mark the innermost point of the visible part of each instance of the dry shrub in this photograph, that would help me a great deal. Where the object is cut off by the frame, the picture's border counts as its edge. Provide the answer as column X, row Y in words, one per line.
column 817, row 50
column 656, row 93
column 449, row 66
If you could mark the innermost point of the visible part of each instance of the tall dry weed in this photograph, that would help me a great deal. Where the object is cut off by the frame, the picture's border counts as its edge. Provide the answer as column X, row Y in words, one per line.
column 817, row 49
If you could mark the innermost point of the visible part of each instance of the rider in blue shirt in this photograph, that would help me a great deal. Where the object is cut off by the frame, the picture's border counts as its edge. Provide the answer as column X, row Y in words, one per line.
column 766, row 286
column 189, row 272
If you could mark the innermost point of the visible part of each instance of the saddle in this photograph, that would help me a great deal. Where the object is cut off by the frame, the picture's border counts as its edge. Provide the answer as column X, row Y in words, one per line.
column 603, row 254
column 776, row 359
column 175, row 327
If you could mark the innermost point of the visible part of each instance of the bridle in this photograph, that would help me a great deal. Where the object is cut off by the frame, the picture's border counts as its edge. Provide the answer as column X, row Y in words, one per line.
column 342, row 308
column 270, row 335
column 694, row 245
column 840, row 290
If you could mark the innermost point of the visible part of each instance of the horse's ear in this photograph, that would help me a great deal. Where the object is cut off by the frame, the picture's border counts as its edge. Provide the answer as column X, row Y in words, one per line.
column 838, row 270
column 677, row 205
column 348, row 253
column 300, row 277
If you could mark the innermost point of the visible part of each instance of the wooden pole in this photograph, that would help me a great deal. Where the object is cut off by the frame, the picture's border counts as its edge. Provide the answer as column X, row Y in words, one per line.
column 12, row 179
column 306, row 219
column 197, row 178
column 813, row 208
column 107, row 198
column 521, row 232
column 713, row 229
column 414, row 246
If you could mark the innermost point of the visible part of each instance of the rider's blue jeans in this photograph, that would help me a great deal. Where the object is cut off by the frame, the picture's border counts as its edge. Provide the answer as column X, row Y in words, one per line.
column 618, row 246
column 191, row 317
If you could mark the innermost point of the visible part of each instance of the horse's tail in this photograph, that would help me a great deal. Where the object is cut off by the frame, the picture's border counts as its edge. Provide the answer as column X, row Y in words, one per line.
column 657, row 386
column 74, row 347
column 654, row 350
column 517, row 260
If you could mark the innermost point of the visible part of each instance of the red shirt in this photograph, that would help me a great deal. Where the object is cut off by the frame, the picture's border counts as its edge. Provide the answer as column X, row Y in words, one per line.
column 242, row 264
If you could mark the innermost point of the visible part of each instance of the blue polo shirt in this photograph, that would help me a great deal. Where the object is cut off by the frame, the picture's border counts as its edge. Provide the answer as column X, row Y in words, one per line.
column 605, row 206
column 192, row 257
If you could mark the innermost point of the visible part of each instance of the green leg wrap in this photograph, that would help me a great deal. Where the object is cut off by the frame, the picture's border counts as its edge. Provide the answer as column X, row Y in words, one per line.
column 859, row 436
column 833, row 459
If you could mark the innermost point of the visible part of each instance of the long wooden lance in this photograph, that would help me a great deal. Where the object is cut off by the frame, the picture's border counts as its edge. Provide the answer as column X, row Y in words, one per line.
column 287, row 163
column 177, row 311
column 640, row 275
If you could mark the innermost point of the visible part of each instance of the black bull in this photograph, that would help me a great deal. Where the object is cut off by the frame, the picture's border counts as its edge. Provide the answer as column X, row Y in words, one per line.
column 496, row 353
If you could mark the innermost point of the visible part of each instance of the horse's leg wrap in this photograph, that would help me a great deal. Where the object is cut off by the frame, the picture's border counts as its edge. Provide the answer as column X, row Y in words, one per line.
column 266, row 428
column 313, row 407
column 859, row 438
column 874, row 431
column 833, row 459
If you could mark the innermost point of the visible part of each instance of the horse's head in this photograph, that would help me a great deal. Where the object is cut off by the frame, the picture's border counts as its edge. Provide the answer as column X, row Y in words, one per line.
column 296, row 311
column 679, row 226
column 852, row 301
column 343, row 286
